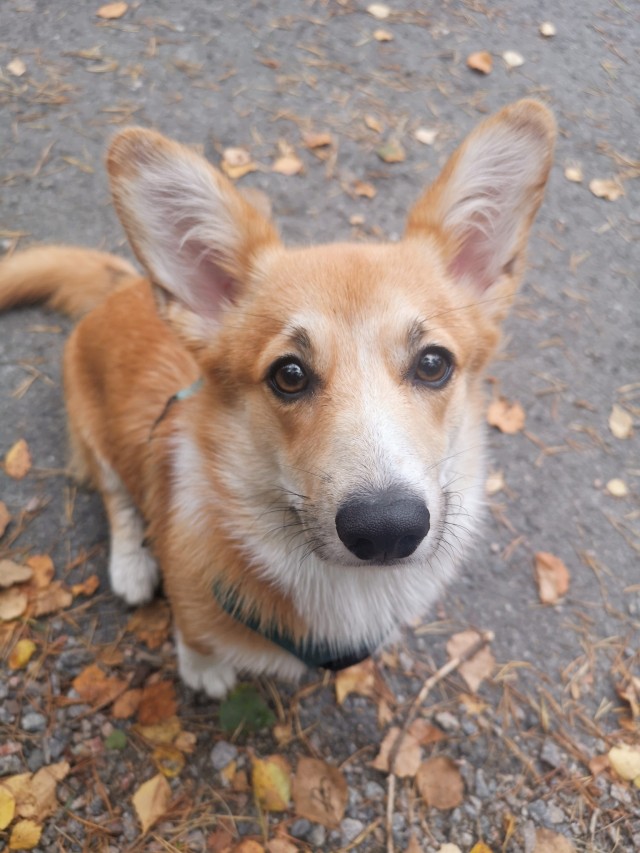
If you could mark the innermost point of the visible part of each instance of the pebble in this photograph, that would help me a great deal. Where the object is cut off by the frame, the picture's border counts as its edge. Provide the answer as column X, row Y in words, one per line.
column 222, row 754
column 318, row 836
column 374, row 791
column 32, row 721
column 35, row 760
column 447, row 721
column 300, row 828
column 482, row 789
column 552, row 754
column 350, row 829
column 555, row 814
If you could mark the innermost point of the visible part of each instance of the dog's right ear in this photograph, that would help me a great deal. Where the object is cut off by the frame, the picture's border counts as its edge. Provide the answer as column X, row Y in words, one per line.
column 195, row 234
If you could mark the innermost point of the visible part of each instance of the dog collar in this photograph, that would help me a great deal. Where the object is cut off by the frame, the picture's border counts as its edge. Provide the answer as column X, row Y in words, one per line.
column 183, row 394
column 320, row 654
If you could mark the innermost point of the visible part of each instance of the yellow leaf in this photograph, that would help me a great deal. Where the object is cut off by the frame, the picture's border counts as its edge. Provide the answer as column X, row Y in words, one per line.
column 112, row 11
column 7, row 807
column 151, row 801
column 288, row 164
column 481, row 847
column 158, row 733
column 271, row 782
column 625, row 760
column 25, row 835
column 21, row 654
column 17, row 462
column 168, row 760
column 13, row 603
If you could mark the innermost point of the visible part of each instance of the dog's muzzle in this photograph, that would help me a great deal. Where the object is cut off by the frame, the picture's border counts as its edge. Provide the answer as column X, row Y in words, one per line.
column 384, row 526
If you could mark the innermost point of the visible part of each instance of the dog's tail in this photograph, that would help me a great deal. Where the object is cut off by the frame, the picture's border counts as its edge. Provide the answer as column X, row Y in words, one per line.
column 67, row 279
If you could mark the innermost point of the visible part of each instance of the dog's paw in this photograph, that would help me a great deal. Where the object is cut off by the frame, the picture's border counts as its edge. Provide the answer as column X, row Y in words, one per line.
column 204, row 672
column 134, row 575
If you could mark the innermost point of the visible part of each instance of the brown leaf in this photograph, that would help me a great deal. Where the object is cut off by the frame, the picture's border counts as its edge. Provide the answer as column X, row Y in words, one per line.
column 598, row 764
column 391, row 152
column 479, row 667
column 87, row 587
column 288, row 164
column 271, row 782
column 13, row 603
column 317, row 140
column 12, row 573
column 373, row 123
column 247, row 845
column 383, row 35
column 35, row 793
column 5, row 518
column 548, row 841
column 55, row 597
column 168, row 760
column 157, row 704
column 552, row 577
column 440, row 783
column 112, row 11
column 408, row 756
column 166, row 732
column 281, row 845
column 43, row 570
column 151, row 801
column 426, row 733
column 481, row 61
column 360, row 679
column 507, row 417
column 126, row 705
column 17, row 462
column 320, row 792
column 94, row 687
column 237, row 162
column 151, row 623
column 607, row 188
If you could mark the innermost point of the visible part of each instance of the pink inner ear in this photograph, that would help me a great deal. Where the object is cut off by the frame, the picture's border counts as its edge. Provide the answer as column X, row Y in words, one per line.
column 210, row 286
column 474, row 259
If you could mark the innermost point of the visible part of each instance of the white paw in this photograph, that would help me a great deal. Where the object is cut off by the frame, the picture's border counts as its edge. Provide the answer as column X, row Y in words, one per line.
column 134, row 575
column 204, row 672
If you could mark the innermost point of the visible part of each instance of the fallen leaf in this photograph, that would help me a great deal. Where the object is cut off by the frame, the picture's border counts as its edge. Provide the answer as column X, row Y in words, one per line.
column 383, row 35
column 364, row 189
column 391, row 152
column 95, row 687
column 25, row 835
column 548, row 841
column 237, row 162
column 12, row 573
column 17, row 462
column 55, row 597
column 43, row 570
column 245, row 707
column 112, row 11
column 513, row 59
column 379, row 11
column 425, row 733
column 620, row 422
column 574, row 174
column 426, row 135
column 481, row 61
column 617, row 488
column 505, row 416
column 317, row 140
column 449, row 848
column 625, row 760
column 87, row 587
column 35, row 793
column 320, row 792
column 16, row 67
column 271, row 782
column 116, row 740
column 185, row 742
column 552, row 577
column 169, row 760
column 373, row 123
column 607, row 188
column 13, row 603
column 281, row 845
column 247, row 845
column 479, row 667
column 598, row 764
column 494, row 483
column 157, row 703
column 414, row 845
column 21, row 654
column 408, row 756
column 7, row 807
column 5, row 518
column 547, row 29
column 289, row 164
column 481, row 847
column 126, row 705
column 159, row 733
column 221, row 839
column 359, row 679
column 151, row 801
column 440, row 783
column 151, row 623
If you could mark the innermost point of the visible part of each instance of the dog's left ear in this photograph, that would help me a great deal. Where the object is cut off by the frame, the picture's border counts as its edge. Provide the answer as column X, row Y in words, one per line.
column 482, row 205
column 195, row 234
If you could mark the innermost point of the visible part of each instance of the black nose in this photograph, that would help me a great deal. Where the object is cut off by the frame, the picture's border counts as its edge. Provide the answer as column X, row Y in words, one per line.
column 385, row 526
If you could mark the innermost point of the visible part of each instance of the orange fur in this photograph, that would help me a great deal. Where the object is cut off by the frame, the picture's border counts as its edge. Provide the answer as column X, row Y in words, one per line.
column 239, row 484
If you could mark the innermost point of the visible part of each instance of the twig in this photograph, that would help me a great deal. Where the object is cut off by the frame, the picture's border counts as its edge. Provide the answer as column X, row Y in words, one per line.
column 484, row 639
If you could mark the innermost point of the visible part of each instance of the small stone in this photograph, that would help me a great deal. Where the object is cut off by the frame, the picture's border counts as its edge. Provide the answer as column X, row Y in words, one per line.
column 222, row 754
column 300, row 828
column 374, row 791
column 482, row 789
column 552, row 754
column 32, row 721
column 317, row 836
column 350, row 829
column 447, row 721
column 35, row 760
column 555, row 814
column 547, row 29
column 538, row 810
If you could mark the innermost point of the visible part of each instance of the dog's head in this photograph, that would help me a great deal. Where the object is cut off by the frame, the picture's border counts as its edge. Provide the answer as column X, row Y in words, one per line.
column 346, row 378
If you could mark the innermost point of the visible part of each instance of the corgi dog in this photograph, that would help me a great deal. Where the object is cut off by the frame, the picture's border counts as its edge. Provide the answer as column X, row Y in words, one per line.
column 290, row 438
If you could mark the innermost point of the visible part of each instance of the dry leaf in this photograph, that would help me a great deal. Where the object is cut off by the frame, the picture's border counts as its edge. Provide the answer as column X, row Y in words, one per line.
column 5, row 518
column 479, row 667
column 414, row 845
column 481, row 61
column 7, row 807
column 598, row 764
column 383, row 35
column 43, row 570
column 151, row 623
column 494, row 483
column 169, row 760
column 360, row 679
column 281, row 845
column 625, row 760
column 237, row 162
column 379, row 11
column 505, row 416
column 317, row 140
column 547, row 29
column 548, row 841
column 112, row 11
column 185, row 742
column 426, row 135
column 271, row 782
column 289, row 164
column 126, row 705
column 373, row 123
column 391, row 152
column 440, row 783
column 21, row 654
column 247, row 845
column 25, row 835
column 481, row 847
column 425, row 733
column 12, row 573
column 55, row 597
column 618, row 488
column 320, row 792
column 574, row 174
column 620, row 422
column 16, row 67
column 513, row 59
column 607, row 188
column 157, row 704
column 35, row 793
column 365, row 190
column 94, row 687
column 13, row 603
column 17, row 462
column 552, row 577
column 408, row 756
column 87, row 587
column 151, row 801
column 166, row 732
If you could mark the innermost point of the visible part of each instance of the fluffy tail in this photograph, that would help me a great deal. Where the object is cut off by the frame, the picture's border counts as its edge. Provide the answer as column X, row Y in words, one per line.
column 70, row 280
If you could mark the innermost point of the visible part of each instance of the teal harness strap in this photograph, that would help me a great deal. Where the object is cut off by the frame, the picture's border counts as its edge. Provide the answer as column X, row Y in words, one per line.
column 311, row 654
column 183, row 394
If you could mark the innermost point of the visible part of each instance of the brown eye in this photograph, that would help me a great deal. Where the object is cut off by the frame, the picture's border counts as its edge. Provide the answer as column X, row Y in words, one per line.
column 288, row 378
column 434, row 367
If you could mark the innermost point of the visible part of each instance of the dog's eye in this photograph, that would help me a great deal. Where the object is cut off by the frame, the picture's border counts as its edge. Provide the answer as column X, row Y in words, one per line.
column 288, row 377
column 434, row 367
